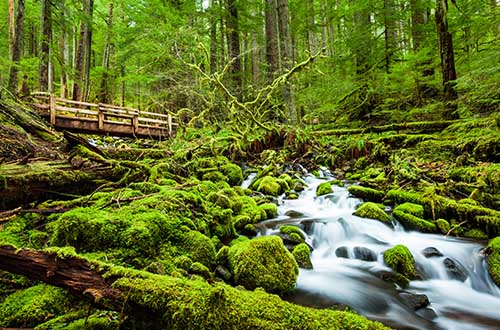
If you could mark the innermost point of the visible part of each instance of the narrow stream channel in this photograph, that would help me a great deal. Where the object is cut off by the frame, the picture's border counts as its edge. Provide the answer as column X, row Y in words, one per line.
column 348, row 263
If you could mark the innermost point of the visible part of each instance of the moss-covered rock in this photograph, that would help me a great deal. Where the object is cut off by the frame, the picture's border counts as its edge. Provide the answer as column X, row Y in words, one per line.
column 372, row 211
column 443, row 226
column 324, row 188
column 270, row 209
column 233, row 173
column 493, row 252
column 475, row 233
column 302, row 254
column 367, row 194
column 400, row 259
column 32, row 306
column 292, row 234
column 413, row 209
column 263, row 262
column 269, row 185
column 199, row 248
column 101, row 320
column 410, row 221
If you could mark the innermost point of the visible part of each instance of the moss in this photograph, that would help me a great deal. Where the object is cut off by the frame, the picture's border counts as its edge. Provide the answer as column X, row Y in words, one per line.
column 324, row 188
column 493, row 252
column 269, row 185
column 302, row 254
column 289, row 230
column 215, row 176
column 337, row 182
column 200, row 269
column 263, row 262
column 101, row 320
column 443, row 226
column 412, row 222
column 400, row 259
column 199, row 248
column 372, row 211
column 270, row 209
column 475, row 234
column 413, row 209
column 29, row 307
column 233, row 173
column 367, row 194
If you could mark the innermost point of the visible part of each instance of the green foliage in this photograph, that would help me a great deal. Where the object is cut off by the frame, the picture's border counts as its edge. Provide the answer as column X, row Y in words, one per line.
column 493, row 251
column 372, row 211
column 263, row 262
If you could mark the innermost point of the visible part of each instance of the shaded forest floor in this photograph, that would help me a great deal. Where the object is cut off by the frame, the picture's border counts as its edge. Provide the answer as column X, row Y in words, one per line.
column 161, row 229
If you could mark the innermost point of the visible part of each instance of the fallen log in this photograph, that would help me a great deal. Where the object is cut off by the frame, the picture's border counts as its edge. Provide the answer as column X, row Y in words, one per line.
column 171, row 302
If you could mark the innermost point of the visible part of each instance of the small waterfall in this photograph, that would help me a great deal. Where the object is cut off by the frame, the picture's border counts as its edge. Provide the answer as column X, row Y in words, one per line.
column 348, row 261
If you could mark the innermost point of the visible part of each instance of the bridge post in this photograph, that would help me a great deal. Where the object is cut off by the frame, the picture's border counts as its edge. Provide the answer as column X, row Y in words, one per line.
column 169, row 119
column 100, row 119
column 135, row 123
column 52, row 107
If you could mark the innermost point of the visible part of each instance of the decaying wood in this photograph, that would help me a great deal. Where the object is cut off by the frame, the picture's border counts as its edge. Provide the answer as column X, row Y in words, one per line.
column 7, row 215
column 72, row 273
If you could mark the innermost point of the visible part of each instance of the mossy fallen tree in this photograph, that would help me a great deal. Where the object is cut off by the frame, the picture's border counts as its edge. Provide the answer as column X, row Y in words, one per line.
column 420, row 126
column 169, row 302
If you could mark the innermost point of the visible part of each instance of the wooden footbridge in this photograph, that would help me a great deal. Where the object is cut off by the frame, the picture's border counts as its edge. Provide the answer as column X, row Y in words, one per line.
column 102, row 119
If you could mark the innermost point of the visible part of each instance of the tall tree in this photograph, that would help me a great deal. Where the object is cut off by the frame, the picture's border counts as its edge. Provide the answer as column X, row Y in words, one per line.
column 271, row 38
column 390, row 33
column 446, row 51
column 45, row 47
column 16, row 47
column 233, row 41
column 104, row 95
column 12, row 28
column 83, row 53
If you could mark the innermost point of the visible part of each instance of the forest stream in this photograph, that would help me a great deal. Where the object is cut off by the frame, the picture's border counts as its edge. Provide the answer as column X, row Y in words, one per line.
column 348, row 265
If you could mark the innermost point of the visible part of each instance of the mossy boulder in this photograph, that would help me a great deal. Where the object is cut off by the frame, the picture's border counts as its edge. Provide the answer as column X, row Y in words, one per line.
column 101, row 320
column 32, row 306
column 400, row 259
column 443, row 226
column 404, row 213
column 233, row 173
column 324, row 188
column 493, row 252
column 291, row 235
column 372, row 210
column 367, row 194
column 263, row 262
column 269, row 185
column 302, row 254
column 199, row 248
column 270, row 209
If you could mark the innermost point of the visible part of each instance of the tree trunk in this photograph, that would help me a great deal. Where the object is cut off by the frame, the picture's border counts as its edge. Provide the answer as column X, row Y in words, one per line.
column 233, row 39
column 311, row 23
column 12, row 28
column 17, row 47
column 271, row 39
column 286, row 58
column 390, row 34
column 46, row 41
column 83, row 50
column 446, row 52
column 213, row 37
column 104, row 94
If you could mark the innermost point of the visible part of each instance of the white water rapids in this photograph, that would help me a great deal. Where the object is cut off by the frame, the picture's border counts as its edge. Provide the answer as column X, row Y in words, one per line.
column 468, row 301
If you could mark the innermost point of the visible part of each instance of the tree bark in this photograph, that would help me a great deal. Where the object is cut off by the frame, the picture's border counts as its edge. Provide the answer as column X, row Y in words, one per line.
column 446, row 51
column 233, row 38
column 83, row 51
column 104, row 94
column 271, row 39
column 390, row 34
column 286, row 58
column 213, row 37
column 12, row 28
column 17, row 47
column 46, row 41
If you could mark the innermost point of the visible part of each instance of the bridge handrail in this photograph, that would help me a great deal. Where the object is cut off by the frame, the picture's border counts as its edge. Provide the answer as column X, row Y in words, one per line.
column 103, row 112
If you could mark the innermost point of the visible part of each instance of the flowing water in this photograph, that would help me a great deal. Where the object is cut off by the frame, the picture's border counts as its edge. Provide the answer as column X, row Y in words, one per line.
column 455, row 279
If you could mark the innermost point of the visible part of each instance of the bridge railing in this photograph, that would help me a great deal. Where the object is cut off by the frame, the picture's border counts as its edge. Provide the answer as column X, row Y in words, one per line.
column 103, row 113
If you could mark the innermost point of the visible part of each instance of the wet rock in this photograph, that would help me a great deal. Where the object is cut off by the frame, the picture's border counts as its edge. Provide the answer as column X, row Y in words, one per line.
column 342, row 252
column 223, row 273
column 294, row 214
column 455, row 270
column 427, row 313
column 394, row 278
column 364, row 253
column 430, row 252
column 413, row 300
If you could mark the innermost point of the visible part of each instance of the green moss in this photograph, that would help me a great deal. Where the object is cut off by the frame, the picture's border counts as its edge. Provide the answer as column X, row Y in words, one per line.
column 413, row 209
column 290, row 230
column 400, row 259
column 233, row 173
column 200, row 269
column 367, row 194
column 475, row 234
column 263, row 262
column 199, row 248
column 302, row 254
column 101, row 320
column 270, row 209
column 443, row 226
column 324, row 188
column 412, row 222
column 372, row 211
column 29, row 307
column 215, row 176
column 493, row 252
column 269, row 185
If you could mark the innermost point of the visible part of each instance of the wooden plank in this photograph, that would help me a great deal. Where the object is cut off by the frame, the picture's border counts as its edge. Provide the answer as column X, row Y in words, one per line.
column 169, row 124
column 86, row 104
column 155, row 121
column 135, row 123
column 76, row 110
column 52, row 109
column 100, row 119
column 154, row 114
